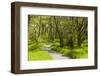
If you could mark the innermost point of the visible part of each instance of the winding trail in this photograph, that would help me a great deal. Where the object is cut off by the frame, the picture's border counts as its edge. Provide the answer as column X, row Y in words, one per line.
column 54, row 54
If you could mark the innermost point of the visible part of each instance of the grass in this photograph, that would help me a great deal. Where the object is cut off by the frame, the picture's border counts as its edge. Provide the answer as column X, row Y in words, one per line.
column 78, row 53
column 75, row 53
column 39, row 54
column 36, row 53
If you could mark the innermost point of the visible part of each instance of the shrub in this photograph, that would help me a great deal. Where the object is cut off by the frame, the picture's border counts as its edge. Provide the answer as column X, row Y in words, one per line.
column 54, row 48
column 64, row 51
column 45, row 42
column 85, row 49
column 32, row 47
column 30, row 42
column 85, row 43
column 55, row 44
column 78, row 53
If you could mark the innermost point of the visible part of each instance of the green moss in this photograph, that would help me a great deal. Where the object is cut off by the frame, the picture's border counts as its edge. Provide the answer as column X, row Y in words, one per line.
column 32, row 47
column 79, row 53
column 39, row 54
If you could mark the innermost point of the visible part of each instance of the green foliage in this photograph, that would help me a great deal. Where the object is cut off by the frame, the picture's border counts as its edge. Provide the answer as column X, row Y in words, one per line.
column 55, row 46
column 85, row 43
column 30, row 42
column 78, row 53
column 39, row 54
column 32, row 47
column 44, row 42
column 63, row 50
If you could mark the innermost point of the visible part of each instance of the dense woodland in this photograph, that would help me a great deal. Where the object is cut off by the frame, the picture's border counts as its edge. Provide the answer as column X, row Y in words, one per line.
column 66, row 35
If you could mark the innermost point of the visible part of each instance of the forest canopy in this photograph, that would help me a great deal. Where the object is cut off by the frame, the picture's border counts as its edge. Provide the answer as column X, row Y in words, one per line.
column 65, row 34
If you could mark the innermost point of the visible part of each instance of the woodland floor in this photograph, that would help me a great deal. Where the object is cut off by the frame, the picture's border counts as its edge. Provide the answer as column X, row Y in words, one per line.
column 55, row 55
column 49, row 52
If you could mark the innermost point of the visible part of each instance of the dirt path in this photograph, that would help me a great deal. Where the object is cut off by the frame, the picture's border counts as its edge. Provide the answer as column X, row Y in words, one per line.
column 54, row 54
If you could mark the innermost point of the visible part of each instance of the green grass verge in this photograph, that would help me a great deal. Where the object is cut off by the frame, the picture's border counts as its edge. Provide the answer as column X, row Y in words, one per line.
column 76, row 53
column 38, row 54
